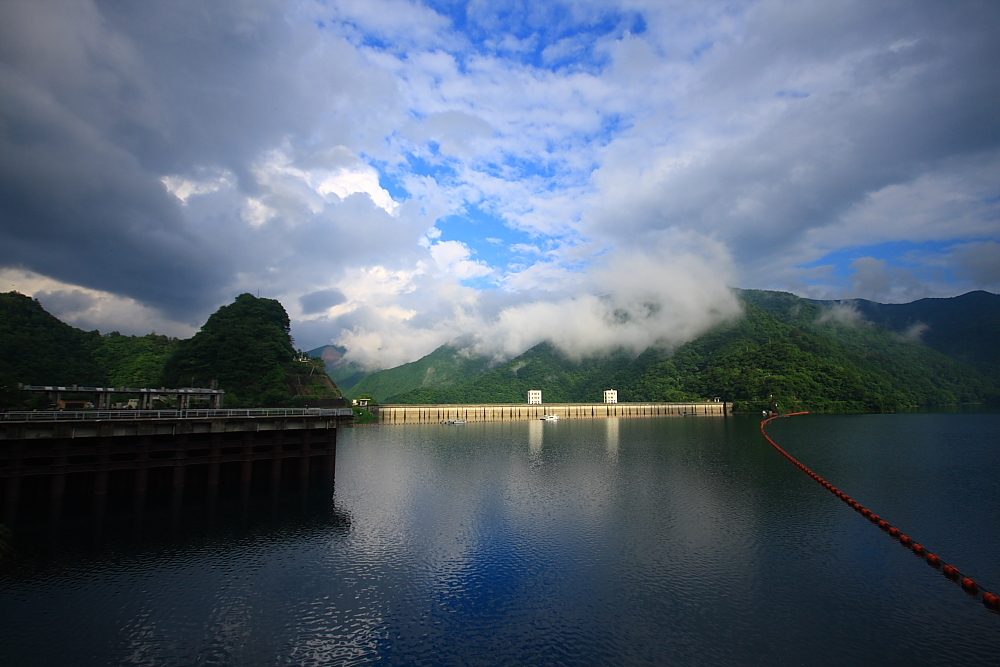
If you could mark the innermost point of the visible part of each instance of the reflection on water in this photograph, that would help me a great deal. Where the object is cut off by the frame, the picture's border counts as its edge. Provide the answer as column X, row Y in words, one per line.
column 611, row 437
column 536, row 433
column 631, row 541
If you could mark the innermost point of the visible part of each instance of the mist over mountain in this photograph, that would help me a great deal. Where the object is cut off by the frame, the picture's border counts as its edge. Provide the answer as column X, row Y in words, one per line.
column 820, row 355
column 963, row 327
column 344, row 373
column 811, row 355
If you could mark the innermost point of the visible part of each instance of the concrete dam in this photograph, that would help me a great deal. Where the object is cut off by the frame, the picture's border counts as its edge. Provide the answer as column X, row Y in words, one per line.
column 433, row 414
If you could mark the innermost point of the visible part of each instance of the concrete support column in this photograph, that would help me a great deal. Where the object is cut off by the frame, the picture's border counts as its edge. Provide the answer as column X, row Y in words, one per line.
column 276, row 474
column 246, row 466
column 246, row 474
column 142, row 471
column 12, row 496
column 305, row 461
column 213, row 476
column 141, row 481
column 101, row 482
column 177, row 494
column 57, row 493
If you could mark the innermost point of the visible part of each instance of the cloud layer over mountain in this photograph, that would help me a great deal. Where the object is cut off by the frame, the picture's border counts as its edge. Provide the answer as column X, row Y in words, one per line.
column 401, row 173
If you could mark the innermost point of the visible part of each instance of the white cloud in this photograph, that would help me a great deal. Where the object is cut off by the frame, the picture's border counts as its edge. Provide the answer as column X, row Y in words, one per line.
column 666, row 294
column 346, row 182
column 184, row 188
column 845, row 314
column 454, row 257
column 245, row 147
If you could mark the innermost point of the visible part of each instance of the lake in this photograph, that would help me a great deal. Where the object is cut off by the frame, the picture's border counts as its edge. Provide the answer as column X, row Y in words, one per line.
column 645, row 541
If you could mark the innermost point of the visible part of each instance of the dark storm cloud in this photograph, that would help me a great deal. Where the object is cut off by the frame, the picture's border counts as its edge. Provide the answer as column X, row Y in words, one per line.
column 100, row 101
column 317, row 302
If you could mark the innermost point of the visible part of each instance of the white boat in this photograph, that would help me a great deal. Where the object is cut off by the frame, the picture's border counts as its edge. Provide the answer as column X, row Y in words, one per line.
column 550, row 418
column 454, row 422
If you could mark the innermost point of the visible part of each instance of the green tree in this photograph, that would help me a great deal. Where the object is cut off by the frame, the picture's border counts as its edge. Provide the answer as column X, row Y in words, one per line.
column 37, row 348
column 244, row 347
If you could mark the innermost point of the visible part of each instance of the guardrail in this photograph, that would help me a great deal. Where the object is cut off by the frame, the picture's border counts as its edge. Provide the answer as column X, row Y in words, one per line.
column 132, row 415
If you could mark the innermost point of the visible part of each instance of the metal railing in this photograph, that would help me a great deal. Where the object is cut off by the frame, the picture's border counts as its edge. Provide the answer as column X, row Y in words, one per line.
column 132, row 415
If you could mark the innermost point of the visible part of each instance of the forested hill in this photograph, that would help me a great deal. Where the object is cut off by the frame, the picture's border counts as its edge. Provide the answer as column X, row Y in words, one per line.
column 446, row 366
column 965, row 327
column 244, row 348
column 807, row 355
column 38, row 348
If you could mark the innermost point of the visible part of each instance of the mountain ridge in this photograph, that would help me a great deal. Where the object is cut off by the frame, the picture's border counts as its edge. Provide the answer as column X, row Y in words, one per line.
column 853, row 355
column 813, row 355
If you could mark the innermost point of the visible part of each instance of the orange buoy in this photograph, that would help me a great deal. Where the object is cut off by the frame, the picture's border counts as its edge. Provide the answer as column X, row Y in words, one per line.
column 991, row 601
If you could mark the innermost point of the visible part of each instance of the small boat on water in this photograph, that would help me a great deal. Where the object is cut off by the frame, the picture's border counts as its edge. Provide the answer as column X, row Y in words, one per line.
column 550, row 418
column 454, row 422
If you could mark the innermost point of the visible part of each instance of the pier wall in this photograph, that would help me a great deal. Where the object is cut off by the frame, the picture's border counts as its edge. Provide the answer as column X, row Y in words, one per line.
column 433, row 414
column 173, row 454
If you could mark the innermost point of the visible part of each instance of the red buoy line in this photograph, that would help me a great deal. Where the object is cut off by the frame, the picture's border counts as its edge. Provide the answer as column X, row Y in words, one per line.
column 990, row 601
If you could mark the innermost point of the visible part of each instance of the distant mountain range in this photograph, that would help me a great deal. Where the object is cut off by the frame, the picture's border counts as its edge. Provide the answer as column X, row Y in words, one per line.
column 963, row 327
column 853, row 355
column 345, row 374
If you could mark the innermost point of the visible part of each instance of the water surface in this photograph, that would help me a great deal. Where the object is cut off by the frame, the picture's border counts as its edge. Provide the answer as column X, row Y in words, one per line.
column 683, row 541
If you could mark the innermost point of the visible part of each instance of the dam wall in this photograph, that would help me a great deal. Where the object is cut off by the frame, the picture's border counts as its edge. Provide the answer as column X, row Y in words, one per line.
column 434, row 414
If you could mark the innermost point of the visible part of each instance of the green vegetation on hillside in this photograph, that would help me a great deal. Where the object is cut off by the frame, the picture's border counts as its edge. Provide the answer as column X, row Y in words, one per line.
column 820, row 356
column 446, row 366
column 542, row 367
column 804, row 368
column 243, row 348
column 964, row 327
column 308, row 384
column 133, row 361
column 38, row 348
column 784, row 347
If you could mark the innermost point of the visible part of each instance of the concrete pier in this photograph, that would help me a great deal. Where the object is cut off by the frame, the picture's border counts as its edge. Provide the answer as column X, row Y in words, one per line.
column 432, row 414
column 178, row 451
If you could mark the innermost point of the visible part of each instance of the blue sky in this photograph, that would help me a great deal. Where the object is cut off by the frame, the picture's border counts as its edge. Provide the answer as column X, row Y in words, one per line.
column 403, row 173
